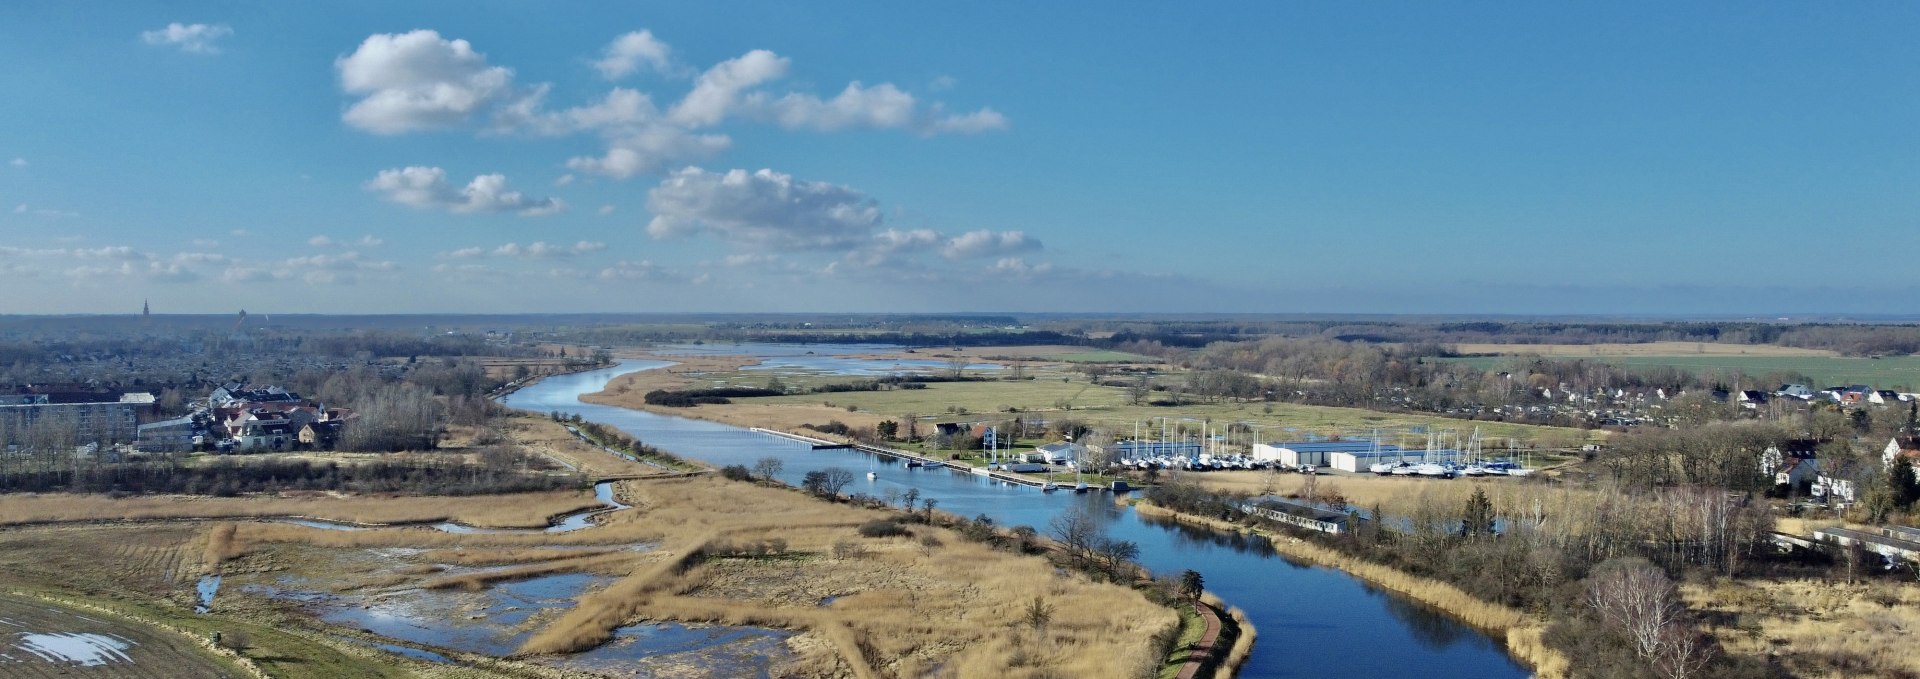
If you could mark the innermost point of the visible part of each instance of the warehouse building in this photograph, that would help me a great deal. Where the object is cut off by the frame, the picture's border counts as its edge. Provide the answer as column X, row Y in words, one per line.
column 1320, row 453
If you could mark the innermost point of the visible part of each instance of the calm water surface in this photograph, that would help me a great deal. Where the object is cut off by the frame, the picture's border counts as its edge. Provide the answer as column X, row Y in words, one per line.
column 1313, row 622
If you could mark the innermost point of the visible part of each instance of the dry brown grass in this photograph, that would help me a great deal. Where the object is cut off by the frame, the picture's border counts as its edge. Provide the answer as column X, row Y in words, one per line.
column 220, row 546
column 1483, row 614
column 522, row 510
column 604, row 562
column 902, row 612
column 1816, row 628
column 541, row 435
column 1644, row 349
column 1242, row 645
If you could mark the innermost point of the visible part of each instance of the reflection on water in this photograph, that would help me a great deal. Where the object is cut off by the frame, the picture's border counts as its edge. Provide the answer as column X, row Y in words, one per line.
column 1333, row 625
column 1429, row 626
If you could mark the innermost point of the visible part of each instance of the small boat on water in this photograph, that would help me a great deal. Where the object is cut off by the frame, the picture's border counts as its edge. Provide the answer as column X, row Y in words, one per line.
column 1049, row 487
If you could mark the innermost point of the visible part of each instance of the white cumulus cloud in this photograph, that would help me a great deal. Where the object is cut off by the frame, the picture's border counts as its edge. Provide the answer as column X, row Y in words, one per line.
column 717, row 92
column 190, row 38
column 419, row 80
column 763, row 209
column 427, row 187
column 629, row 53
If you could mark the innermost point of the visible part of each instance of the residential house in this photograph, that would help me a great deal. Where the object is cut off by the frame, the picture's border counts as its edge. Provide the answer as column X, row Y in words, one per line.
column 1799, row 391
column 1860, row 394
column 1897, row 449
column 234, row 393
column 265, row 434
column 1791, row 464
column 319, row 435
column 1834, row 490
column 1752, row 399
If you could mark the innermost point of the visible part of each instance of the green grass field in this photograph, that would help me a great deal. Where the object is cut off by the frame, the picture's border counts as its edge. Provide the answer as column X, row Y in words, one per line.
column 1900, row 373
column 1107, row 407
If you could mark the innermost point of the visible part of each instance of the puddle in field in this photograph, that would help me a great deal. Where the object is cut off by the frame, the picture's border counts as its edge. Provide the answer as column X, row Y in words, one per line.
column 208, row 586
column 490, row 622
column 673, row 649
column 496, row 621
column 85, row 649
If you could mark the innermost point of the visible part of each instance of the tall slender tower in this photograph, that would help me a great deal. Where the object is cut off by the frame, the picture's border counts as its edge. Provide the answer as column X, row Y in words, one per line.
column 146, row 311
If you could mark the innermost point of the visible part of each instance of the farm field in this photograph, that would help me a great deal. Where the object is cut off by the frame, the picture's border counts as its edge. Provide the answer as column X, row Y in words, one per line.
column 1898, row 372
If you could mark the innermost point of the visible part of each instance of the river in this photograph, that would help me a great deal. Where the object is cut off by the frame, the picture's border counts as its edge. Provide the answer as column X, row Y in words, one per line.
column 1312, row 621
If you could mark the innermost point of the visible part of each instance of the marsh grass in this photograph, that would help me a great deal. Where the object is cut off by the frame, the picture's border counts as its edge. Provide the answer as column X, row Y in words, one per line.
column 1816, row 628
column 520, row 510
column 906, row 612
column 615, row 562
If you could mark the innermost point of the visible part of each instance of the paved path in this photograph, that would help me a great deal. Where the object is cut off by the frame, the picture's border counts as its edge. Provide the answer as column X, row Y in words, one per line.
column 1203, row 649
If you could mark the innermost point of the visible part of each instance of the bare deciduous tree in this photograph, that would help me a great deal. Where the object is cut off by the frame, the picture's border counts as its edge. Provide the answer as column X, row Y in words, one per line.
column 767, row 467
column 1639, row 599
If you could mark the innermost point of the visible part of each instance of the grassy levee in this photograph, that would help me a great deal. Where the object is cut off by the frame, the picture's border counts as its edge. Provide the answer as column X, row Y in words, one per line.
column 155, row 641
column 1521, row 631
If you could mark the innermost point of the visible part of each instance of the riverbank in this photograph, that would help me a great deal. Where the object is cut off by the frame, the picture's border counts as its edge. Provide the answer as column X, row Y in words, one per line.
column 1522, row 632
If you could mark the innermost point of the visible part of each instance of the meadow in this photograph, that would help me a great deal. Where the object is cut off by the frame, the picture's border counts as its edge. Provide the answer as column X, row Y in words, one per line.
column 1075, row 398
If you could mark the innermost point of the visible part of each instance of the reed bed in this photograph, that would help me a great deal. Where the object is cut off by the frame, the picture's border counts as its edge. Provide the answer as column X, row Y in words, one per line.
column 904, row 610
column 615, row 562
column 521, row 510
column 1242, row 645
column 1816, row 627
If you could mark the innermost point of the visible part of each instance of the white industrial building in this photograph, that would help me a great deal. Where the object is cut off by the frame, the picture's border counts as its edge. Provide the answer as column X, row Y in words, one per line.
column 1346, row 455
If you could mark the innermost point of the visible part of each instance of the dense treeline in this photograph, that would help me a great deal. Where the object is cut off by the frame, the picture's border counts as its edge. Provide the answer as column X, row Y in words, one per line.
column 687, row 398
column 499, row 472
column 1554, row 552
column 1847, row 338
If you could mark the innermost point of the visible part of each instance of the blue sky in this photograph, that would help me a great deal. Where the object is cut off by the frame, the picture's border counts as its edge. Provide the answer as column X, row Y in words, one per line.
column 1634, row 158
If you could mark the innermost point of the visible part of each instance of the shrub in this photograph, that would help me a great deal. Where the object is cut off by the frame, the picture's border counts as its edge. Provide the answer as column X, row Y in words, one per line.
column 882, row 528
column 737, row 472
